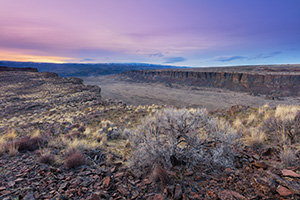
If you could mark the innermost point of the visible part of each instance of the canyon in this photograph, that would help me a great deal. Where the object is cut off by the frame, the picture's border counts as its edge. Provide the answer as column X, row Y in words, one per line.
column 277, row 81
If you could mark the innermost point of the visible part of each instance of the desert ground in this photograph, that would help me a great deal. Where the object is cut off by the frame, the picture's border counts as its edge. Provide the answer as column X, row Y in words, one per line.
column 176, row 95
column 59, row 139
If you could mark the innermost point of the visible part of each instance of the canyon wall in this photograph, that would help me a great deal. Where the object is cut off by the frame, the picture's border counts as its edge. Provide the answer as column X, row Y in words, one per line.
column 268, row 84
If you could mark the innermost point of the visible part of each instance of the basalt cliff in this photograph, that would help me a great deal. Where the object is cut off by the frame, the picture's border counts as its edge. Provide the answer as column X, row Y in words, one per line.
column 282, row 80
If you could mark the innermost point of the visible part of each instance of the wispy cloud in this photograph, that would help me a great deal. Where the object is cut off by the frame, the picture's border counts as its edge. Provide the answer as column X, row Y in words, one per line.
column 174, row 59
column 230, row 58
column 238, row 57
column 156, row 55
column 264, row 56
column 87, row 60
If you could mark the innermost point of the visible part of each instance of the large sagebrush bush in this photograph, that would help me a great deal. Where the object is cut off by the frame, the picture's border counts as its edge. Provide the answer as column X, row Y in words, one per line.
column 190, row 138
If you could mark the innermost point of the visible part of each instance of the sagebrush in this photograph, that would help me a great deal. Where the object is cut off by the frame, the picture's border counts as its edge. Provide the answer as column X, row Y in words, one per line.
column 190, row 138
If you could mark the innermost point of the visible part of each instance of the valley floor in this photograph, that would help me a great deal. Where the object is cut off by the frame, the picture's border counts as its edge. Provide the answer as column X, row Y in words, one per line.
column 177, row 95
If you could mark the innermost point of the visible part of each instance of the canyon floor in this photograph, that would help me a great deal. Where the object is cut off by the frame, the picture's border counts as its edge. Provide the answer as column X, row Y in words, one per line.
column 134, row 93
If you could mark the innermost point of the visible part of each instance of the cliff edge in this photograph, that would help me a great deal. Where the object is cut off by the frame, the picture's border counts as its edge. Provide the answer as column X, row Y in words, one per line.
column 268, row 80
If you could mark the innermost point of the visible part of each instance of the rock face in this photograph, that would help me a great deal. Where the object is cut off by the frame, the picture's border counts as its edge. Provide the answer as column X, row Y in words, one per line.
column 279, row 83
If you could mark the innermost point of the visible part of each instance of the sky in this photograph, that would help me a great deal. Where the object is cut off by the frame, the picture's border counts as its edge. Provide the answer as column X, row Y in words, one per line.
column 194, row 33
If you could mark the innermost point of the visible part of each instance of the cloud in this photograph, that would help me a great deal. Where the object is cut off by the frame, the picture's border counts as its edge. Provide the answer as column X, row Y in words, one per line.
column 230, row 58
column 87, row 60
column 174, row 59
column 257, row 57
column 156, row 55
column 264, row 56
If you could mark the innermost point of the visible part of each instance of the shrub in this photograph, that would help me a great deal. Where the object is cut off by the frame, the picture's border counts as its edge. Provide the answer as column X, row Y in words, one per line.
column 28, row 143
column 47, row 158
column 74, row 159
column 182, row 137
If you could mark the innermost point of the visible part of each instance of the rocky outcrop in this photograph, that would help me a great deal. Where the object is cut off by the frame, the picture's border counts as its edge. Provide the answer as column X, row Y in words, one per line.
column 25, row 91
column 283, row 84
column 26, row 69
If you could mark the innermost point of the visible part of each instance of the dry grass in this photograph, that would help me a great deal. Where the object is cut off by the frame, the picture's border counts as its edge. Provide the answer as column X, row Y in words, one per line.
column 238, row 124
column 2, row 145
column 286, row 112
column 11, row 135
column 36, row 133
column 12, row 149
column 82, row 144
column 287, row 156
column 252, row 118
column 255, row 138
column 263, row 109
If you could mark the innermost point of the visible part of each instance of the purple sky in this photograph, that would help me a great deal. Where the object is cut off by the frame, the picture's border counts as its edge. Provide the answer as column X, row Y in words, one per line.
column 176, row 32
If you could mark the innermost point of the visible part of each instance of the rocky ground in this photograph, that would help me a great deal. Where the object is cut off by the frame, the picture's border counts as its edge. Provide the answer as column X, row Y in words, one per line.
column 43, row 114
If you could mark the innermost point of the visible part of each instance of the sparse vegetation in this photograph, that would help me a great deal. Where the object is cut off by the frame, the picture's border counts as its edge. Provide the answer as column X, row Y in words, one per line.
column 74, row 158
column 28, row 143
column 11, row 135
column 47, row 158
column 131, row 150
column 255, row 138
column 12, row 149
column 287, row 155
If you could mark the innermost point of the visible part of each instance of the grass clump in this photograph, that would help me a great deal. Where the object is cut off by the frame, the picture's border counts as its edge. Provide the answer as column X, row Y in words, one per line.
column 287, row 156
column 255, row 138
column 11, row 135
column 47, row 158
column 28, row 143
column 283, row 128
column 74, row 158
column 12, row 148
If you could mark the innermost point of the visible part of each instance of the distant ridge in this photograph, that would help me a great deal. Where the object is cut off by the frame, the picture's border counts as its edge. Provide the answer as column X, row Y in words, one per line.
column 27, row 69
column 78, row 69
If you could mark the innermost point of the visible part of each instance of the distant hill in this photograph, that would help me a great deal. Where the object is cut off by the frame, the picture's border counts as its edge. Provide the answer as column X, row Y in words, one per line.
column 76, row 69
